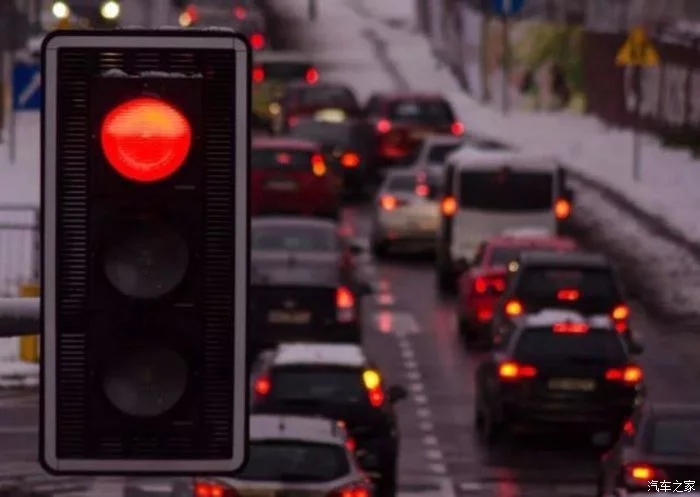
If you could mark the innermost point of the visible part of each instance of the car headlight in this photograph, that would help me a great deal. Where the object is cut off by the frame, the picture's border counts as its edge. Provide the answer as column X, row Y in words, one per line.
column 110, row 10
column 60, row 10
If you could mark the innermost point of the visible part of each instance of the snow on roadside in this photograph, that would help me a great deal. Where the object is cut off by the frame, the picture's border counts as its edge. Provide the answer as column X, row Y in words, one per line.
column 15, row 373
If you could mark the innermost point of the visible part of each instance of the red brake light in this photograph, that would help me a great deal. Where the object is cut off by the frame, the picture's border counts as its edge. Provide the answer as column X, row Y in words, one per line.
column 513, row 308
column 457, row 128
column 388, row 202
column 383, row 126
column 484, row 285
column 312, row 76
column 620, row 312
column 628, row 428
column 448, row 206
column 422, row 190
column 562, row 209
column 350, row 491
column 568, row 295
column 146, row 139
column 292, row 121
column 318, row 165
column 204, row 489
column 640, row 474
column 258, row 75
column 344, row 299
column 240, row 12
column 257, row 41
column 263, row 385
column 350, row 444
column 350, row 160
column 570, row 328
column 630, row 375
column 513, row 371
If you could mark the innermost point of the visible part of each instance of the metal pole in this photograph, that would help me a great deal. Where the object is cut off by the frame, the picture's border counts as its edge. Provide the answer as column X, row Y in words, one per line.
column 12, row 129
column 636, row 124
column 313, row 10
column 506, row 56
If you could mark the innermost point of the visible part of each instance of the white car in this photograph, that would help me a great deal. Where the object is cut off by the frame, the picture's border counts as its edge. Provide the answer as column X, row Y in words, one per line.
column 434, row 150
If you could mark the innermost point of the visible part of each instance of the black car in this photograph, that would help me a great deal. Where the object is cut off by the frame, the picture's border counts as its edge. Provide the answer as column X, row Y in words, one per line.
column 348, row 146
column 336, row 381
column 302, row 286
column 557, row 375
column 303, row 99
column 658, row 451
column 583, row 282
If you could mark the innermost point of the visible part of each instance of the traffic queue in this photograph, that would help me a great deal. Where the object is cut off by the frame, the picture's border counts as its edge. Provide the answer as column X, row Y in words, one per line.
column 549, row 320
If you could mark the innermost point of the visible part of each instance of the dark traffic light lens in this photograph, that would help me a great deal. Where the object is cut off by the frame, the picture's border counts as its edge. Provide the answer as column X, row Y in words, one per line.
column 148, row 262
column 146, row 383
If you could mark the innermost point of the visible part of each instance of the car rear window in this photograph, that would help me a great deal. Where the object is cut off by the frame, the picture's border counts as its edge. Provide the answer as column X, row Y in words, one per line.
column 421, row 111
column 280, row 158
column 438, row 153
column 506, row 191
column 293, row 238
column 545, row 283
column 285, row 71
column 324, row 133
column 325, row 96
column 542, row 344
column 401, row 183
column 318, row 384
column 501, row 256
column 676, row 436
column 294, row 461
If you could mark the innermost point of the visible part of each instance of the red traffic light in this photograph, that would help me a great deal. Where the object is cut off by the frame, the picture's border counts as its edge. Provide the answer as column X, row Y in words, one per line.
column 146, row 139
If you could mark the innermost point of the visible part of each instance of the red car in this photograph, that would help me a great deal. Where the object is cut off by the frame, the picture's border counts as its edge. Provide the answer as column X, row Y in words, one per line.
column 481, row 285
column 291, row 177
column 403, row 120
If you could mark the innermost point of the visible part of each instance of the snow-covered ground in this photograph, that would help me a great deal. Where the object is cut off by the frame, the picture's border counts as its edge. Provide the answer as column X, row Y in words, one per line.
column 13, row 372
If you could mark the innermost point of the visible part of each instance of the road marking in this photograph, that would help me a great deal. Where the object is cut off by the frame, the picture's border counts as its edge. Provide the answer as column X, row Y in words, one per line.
column 417, row 387
column 410, row 364
column 423, row 412
column 438, row 468
column 434, row 454
column 470, row 486
column 426, row 426
column 420, row 399
column 403, row 343
column 430, row 440
column 413, row 375
column 407, row 354
column 385, row 299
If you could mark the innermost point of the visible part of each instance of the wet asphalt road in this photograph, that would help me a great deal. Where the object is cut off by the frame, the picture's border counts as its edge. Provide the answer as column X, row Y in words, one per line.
column 411, row 333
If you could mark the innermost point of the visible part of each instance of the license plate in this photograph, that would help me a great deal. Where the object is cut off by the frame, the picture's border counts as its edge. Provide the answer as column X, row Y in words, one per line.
column 289, row 317
column 572, row 385
column 281, row 186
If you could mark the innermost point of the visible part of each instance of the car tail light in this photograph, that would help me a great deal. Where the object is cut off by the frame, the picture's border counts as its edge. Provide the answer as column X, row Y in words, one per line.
column 351, row 491
column 620, row 315
column 484, row 315
column 570, row 328
column 257, row 41
column 292, row 121
column 204, row 489
column 350, row 160
column 492, row 285
column 457, row 128
column 383, row 126
column 639, row 474
column 422, row 190
column 345, row 305
column 318, row 165
column 562, row 209
column 513, row 308
column 448, row 206
column 262, row 386
column 515, row 371
column 569, row 295
column 389, row 202
column 373, row 383
column 240, row 12
column 630, row 375
column 258, row 75
column 312, row 76
column 350, row 444
column 628, row 428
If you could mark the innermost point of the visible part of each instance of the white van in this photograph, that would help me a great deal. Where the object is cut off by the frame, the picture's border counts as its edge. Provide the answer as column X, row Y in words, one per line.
column 487, row 192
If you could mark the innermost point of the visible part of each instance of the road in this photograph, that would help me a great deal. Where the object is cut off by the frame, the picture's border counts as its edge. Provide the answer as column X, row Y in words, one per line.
column 411, row 333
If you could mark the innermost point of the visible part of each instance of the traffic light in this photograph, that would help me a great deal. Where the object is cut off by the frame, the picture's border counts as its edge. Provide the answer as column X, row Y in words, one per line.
column 145, row 152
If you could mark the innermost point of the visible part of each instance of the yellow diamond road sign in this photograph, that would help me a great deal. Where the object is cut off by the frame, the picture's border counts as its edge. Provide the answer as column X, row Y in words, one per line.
column 637, row 51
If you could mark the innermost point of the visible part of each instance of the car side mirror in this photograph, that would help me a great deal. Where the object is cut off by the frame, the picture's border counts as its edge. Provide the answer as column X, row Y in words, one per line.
column 636, row 348
column 461, row 266
column 396, row 393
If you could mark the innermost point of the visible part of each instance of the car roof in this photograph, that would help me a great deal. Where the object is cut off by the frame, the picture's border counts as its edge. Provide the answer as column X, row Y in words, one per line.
column 301, row 354
column 306, row 428
column 309, row 222
column 410, row 95
column 563, row 259
column 272, row 56
column 471, row 158
column 531, row 241
column 549, row 317
column 347, row 122
column 261, row 142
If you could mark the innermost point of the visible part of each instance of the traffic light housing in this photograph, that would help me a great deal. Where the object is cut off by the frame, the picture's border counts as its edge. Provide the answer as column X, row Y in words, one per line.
column 145, row 251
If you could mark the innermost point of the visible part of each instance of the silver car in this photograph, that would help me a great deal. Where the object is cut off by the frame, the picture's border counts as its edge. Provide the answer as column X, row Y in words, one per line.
column 406, row 213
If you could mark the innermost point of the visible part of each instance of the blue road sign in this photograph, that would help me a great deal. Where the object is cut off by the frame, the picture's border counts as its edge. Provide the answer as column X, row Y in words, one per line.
column 26, row 86
column 507, row 7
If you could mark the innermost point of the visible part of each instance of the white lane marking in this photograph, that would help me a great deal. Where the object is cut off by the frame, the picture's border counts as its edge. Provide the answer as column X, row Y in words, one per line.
column 407, row 354
column 413, row 375
column 420, row 399
column 417, row 387
column 427, row 426
column 423, row 412
column 470, row 486
column 410, row 364
column 403, row 343
column 412, row 327
column 430, row 440
column 440, row 469
column 434, row 454
column 447, row 486
column 385, row 299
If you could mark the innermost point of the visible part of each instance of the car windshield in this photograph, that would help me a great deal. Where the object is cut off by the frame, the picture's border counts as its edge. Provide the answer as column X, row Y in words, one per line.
column 293, row 237
column 542, row 344
column 430, row 112
column 327, row 96
column 281, row 158
column 318, row 384
column 545, row 283
column 506, row 191
column 438, row 153
column 294, row 461
column 676, row 436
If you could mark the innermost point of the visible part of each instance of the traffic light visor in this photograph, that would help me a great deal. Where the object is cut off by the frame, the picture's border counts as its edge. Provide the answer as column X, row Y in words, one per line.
column 146, row 139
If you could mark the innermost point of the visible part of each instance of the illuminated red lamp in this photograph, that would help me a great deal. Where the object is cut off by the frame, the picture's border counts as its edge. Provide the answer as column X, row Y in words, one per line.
column 146, row 139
